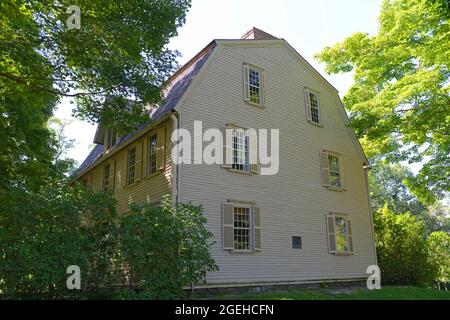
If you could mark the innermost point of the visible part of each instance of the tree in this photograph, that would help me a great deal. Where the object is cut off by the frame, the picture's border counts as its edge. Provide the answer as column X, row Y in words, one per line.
column 117, row 53
column 439, row 255
column 387, row 185
column 399, row 102
column 402, row 249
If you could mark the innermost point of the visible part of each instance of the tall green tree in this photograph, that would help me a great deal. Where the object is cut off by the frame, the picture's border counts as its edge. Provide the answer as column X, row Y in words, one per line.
column 399, row 103
column 117, row 53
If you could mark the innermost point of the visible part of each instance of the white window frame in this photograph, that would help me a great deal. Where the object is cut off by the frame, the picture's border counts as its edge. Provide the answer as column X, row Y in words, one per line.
column 330, row 170
column 111, row 139
column 250, row 228
column 239, row 140
column 152, row 154
column 106, row 176
column 311, row 107
column 347, row 235
column 248, row 69
column 131, row 166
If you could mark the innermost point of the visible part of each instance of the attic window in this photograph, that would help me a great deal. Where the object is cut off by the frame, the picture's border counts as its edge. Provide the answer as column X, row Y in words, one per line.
column 111, row 139
column 313, row 107
column 253, row 85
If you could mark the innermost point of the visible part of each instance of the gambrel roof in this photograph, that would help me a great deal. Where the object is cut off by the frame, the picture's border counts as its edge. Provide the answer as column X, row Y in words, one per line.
column 178, row 84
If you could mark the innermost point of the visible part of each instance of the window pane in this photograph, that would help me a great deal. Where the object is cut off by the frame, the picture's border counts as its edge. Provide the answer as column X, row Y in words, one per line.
column 333, row 162
column 341, row 225
column 152, row 154
column 242, row 227
column 341, row 243
column 254, row 78
column 131, row 165
column 335, row 179
column 240, row 151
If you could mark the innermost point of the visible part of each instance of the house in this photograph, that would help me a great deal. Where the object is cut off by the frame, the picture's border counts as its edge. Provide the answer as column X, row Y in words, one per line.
column 310, row 221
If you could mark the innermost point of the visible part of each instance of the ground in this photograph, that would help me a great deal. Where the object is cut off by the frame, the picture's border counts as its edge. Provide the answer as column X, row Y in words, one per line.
column 385, row 293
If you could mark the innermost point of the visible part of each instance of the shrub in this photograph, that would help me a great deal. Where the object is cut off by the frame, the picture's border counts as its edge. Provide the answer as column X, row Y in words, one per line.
column 402, row 248
column 165, row 248
column 42, row 233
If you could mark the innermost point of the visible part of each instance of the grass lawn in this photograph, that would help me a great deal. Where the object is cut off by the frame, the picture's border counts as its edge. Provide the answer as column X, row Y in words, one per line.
column 386, row 293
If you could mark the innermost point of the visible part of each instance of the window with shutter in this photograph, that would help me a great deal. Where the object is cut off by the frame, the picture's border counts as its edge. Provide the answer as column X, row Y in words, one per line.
column 240, row 152
column 332, row 173
column 340, row 238
column 241, row 227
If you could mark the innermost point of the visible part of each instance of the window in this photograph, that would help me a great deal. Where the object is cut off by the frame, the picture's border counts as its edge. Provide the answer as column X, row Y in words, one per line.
column 106, row 176
column 152, row 144
column 253, row 85
column 111, row 139
column 296, row 242
column 312, row 107
column 335, row 172
column 240, row 149
column 242, row 228
column 131, row 165
column 340, row 234
column 332, row 170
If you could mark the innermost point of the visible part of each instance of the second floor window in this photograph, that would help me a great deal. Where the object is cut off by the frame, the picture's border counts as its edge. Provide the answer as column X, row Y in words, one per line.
column 152, row 145
column 335, row 171
column 131, row 165
column 332, row 170
column 240, row 149
column 106, row 175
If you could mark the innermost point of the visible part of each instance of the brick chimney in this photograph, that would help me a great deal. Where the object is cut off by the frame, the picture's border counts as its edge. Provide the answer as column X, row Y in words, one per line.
column 257, row 34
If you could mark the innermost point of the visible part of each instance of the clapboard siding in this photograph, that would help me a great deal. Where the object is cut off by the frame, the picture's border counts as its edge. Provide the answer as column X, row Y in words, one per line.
column 149, row 189
column 293, row 202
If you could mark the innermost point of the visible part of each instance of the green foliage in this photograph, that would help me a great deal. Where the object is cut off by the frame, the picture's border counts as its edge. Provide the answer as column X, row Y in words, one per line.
column 119, row 52
column 165, row 248
column 388, row 185
column 439, row 255
column 399, row 102
column 154, row 251
column 44, row 232
column 406, row 255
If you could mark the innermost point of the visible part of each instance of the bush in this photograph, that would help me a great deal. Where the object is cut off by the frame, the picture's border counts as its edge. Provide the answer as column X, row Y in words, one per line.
column 158, row 250
column 165, row 248
column 44, row 232
column 406, row 255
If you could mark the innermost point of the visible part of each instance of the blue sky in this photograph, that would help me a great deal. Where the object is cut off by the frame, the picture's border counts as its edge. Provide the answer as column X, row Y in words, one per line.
column 307, row 25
